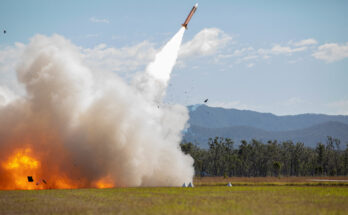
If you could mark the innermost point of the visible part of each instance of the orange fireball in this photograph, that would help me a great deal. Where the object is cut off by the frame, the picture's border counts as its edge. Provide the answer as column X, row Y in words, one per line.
column 19, row 166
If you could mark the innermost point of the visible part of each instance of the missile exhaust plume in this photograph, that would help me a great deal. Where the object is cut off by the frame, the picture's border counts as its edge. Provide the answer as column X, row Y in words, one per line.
column 76, row 128
column 154, row 81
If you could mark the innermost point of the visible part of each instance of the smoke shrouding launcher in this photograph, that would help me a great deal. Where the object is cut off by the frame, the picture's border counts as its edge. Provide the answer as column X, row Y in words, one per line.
column 190, row 15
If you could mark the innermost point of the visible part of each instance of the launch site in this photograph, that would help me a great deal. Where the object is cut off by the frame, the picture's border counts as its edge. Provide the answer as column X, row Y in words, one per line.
column 173, row 107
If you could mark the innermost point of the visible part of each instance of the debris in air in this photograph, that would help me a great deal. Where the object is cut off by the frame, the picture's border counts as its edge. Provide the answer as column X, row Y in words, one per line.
column 4, row 31
column 30, row 179
column 44, row 181
column 205, row 101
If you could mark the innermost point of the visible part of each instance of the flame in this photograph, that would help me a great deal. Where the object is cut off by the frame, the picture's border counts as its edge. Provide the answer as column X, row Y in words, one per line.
column 105, row 182
column 23, row 162
column 64, row 183
column 19, row 166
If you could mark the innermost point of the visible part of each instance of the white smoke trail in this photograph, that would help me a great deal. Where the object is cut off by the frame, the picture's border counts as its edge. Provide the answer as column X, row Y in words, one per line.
column 85, row 126
column 154, row 81
column 161, row 68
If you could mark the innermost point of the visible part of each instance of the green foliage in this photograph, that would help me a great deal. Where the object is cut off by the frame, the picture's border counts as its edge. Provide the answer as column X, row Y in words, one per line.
column 255, row 158
column 276, row 168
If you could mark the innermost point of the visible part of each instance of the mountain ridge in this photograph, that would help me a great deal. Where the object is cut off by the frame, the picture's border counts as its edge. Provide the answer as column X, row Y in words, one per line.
column 244, row 124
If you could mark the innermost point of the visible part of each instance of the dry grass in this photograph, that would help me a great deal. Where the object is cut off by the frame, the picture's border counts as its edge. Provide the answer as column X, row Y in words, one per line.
column 271, row 181
column 198, row 200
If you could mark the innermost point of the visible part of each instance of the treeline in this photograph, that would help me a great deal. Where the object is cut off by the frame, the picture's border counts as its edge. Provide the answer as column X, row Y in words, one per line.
column 256, row 158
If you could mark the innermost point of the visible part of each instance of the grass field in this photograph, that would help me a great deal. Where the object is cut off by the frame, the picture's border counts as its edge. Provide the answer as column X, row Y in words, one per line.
column 255, row 199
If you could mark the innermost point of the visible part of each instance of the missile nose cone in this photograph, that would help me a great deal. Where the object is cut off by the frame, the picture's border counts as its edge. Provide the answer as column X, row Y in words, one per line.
column 196, row 5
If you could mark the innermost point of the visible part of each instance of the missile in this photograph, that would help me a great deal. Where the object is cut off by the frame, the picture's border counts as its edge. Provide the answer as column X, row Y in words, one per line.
column 190, row 15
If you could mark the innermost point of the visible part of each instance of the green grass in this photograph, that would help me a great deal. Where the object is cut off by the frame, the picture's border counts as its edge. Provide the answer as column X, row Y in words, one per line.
column 198, row 200
column 321, row 184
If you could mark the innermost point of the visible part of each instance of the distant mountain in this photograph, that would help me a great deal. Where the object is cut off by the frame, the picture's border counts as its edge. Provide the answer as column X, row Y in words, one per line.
column 206, row 122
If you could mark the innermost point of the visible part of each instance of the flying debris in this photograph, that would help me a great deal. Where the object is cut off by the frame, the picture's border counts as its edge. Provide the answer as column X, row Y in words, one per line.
column 30, row 179
column 205, row 101
column 190, row 15
column 44, row 181
column 4, row 31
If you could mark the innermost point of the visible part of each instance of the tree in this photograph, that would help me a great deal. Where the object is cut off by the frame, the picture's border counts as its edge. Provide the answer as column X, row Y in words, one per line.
column 255, row 158
column 276, row 168
column 320, row 150
column 345, row 172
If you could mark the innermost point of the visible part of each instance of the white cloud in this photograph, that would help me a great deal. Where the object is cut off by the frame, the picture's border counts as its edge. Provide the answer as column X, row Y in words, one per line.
column 331, row 52
column 233, row 104
column 339, row 107
column 225, row 56
column 292, row 101
column 6, row 95
column 262, row 51
column 243, row 51
column 278, row 49
column 206, row 42
column 209, row 42
column 305, row 42
column 96, row 20
column 243, row 54
column 289, row 106
column 247, row 58
column 294, row 47
column 250, row 57
column 125, row 59
column 250, row 65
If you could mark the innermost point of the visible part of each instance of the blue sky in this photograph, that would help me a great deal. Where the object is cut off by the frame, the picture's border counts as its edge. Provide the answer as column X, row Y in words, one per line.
column 283, row 57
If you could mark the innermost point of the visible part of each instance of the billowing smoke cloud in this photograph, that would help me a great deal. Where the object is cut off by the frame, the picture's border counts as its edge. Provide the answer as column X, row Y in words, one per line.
column 80, row 128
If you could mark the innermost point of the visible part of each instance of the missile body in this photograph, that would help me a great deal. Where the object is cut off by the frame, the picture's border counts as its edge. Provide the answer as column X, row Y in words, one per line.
column 190, row 15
